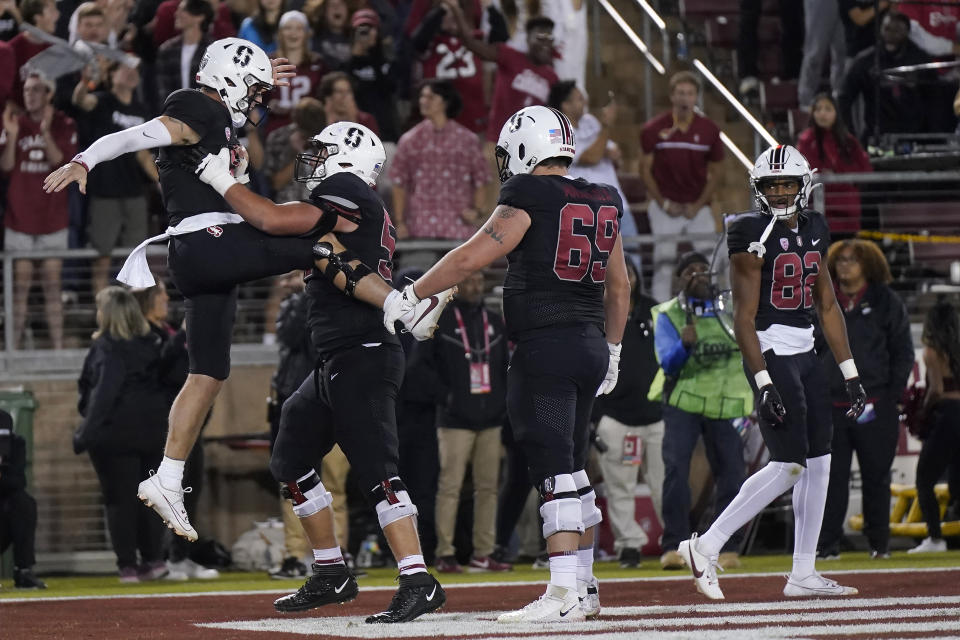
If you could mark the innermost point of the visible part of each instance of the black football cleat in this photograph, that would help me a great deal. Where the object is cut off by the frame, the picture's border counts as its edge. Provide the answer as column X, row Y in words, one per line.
column 418, row 594
column 327, row 585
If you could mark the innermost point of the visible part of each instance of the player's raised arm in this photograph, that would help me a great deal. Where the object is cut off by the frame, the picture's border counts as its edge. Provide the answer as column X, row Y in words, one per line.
column 835, row 331
column 162, row 131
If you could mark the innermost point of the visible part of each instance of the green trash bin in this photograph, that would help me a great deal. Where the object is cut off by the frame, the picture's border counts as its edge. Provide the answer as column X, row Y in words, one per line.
column 20, row 404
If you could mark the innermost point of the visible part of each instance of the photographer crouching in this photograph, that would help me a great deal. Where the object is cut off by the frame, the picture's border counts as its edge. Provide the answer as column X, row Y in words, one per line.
column 18, row 509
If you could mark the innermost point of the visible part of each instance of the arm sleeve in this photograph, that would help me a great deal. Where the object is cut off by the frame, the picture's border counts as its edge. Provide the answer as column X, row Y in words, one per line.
column 498, row 26
column 900, row 343
column 149, row 135
column 424, row 34
column 670, row 350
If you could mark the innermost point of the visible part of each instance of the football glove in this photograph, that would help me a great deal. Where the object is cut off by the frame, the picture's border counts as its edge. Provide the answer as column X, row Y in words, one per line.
column 214, row 170
column 613, row 370
column 857, row 396
column 771, row 406
column 397, row 305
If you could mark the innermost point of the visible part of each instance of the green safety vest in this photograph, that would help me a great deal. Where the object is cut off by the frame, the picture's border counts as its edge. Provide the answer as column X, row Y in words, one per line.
column 711, row 382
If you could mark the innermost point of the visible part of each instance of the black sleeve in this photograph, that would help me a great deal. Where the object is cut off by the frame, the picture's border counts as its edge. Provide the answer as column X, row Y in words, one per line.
column 191, row 108
column 741, row 233
column 344, row 194
column 520, row 191
column 899, row 342
column 424, row 34
column 498, row 26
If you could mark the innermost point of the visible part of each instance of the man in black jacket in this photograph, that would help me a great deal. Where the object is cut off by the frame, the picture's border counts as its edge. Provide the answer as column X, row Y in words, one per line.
column 878, row 328
column 18, row 509
column 466, row 365
column 631, row 427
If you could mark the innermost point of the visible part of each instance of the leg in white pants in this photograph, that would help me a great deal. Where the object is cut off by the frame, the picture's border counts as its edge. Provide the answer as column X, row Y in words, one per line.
column 620, row 481
column 653, row 471
column 664, row 252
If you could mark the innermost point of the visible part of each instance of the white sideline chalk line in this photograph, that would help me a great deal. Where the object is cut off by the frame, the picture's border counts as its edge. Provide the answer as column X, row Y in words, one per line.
column 682, row 576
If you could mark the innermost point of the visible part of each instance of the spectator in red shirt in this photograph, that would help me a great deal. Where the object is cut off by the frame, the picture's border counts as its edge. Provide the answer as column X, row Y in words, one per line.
column 830, row 148
column 42, row 14
column 33, row 144
column 293, row 43
column 439, row 174
column 680, row 166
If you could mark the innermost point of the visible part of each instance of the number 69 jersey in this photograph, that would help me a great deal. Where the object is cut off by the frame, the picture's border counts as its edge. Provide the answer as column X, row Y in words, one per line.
column 791, row 265
column 557, row 272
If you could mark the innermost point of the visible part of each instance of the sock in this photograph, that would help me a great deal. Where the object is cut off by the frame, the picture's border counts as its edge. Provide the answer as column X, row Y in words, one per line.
column 585, row 565
column 328, row 557
column 809, row 498
column 563, row 569
column 171, row 473
column 757, row 492
column 410, row 565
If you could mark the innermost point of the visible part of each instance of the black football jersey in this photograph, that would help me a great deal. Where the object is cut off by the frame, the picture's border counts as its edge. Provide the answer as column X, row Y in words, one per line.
column 557, row 272
column 183, row 193
column 791, row 265
column 337, row 321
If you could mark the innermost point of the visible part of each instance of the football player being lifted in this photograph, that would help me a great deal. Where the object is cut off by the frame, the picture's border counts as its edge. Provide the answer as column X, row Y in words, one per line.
column 778, row 284
column 211, row 250
column 350, row 399
column 565, row 302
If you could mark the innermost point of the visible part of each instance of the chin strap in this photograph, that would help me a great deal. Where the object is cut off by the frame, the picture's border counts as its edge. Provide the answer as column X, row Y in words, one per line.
column 757, row 247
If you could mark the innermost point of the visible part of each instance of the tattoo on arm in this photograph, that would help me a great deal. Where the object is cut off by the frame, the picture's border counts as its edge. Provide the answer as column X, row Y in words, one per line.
column 505, row 212
column 491, row 231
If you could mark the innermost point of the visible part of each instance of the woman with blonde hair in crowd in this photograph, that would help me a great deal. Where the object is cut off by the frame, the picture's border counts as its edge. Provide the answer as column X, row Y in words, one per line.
column 878, row 329
column 124, row 411
column 293, row 43
column 941, row 406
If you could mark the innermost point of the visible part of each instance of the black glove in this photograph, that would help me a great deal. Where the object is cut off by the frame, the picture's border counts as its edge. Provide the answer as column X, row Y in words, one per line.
column 771, row 406
column 857, row 396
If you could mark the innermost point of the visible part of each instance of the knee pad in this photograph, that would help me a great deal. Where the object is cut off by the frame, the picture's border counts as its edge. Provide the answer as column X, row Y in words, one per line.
column 307, row 494
column 393, row 501
column 589, row 513
column 560, row 505
column 340, row 263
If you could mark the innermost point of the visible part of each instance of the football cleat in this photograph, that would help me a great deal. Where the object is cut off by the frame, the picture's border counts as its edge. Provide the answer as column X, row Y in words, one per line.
column 815, row 586
column 704, row 569
column 419, row 593
column 556, row 605
column 168, row 503
column 328, row 585
column 421, row 321
column 589, row 593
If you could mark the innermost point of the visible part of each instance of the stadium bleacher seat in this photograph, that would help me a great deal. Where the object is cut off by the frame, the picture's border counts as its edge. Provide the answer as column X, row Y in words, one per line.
column 778, row 97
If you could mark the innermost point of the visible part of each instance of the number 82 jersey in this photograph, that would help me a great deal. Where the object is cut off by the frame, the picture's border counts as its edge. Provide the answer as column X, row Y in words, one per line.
column 791, row 265
column 556, row 273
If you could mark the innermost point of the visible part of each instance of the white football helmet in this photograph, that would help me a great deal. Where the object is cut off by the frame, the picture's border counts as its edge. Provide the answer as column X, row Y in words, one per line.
column 781, row 161
column 342, row 147
column 529, row 137
column 232, row 66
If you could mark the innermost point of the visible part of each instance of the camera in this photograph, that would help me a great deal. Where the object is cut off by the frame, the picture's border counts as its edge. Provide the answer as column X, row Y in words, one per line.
column 363, row 30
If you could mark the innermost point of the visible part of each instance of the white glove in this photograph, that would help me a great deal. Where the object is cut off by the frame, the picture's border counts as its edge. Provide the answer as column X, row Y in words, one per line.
column 214, row 170
column 398, row 304
column 613, row 370
column 421, row 321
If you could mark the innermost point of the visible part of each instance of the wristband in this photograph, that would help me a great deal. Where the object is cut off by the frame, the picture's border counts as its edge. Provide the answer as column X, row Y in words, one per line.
column 223, row 182
column 762, row 379
column 849, row 369
column 78, row 159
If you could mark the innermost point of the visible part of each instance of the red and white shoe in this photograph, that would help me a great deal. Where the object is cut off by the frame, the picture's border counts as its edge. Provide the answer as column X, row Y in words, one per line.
column 480, row 565
column 704, row 569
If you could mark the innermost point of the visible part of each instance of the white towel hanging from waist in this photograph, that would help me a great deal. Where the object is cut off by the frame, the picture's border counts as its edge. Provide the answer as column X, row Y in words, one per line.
column 136, row 271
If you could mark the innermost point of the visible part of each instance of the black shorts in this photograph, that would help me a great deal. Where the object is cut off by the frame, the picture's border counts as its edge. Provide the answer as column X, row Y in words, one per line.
column 208, row 265
column 551, row 384
column 807, row 429
column 356, row 408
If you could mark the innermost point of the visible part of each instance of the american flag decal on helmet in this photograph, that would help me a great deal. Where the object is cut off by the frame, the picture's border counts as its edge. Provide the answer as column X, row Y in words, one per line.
column 563, row 135
column 555, row 136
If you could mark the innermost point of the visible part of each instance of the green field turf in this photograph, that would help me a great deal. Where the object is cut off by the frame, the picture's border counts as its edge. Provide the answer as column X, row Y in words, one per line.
column 105, row 585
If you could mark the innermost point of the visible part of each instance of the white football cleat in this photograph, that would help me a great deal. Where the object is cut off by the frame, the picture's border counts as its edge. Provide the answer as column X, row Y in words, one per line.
column 422, row 320
column 589, row 593
column 556, row 605
column 168, row 503
column 704, row 569
column 191, row 569
column 930, row 545
column 814, row 586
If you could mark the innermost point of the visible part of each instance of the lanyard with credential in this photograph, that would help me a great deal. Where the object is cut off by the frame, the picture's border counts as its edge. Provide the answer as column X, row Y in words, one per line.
column 479, row 371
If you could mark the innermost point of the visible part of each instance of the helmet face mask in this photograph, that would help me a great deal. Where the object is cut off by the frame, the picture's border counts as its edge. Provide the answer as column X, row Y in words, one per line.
column 777, row 165
column 342, row 147
column 240, row 72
